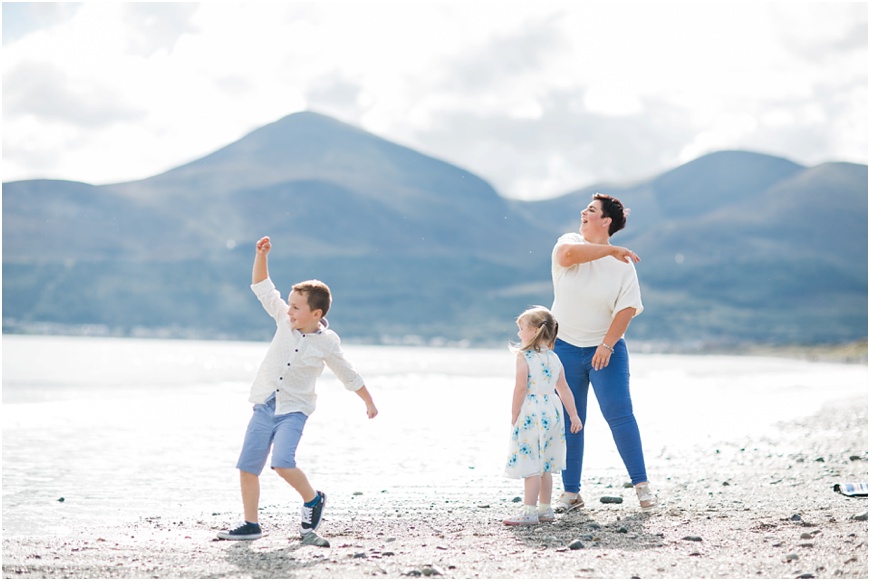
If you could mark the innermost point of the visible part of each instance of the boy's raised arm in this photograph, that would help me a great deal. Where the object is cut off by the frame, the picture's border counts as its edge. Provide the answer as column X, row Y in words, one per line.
column 261, row 261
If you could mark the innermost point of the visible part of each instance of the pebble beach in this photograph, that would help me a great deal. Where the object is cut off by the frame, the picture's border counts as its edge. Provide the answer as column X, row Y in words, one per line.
column 125, row 469
column 742, row 509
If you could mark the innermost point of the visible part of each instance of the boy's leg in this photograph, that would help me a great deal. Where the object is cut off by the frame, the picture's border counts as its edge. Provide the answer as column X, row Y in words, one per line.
column 288, row 432
column 252, row 459
column 255, row 450
column 250, row 494
column 296, row 478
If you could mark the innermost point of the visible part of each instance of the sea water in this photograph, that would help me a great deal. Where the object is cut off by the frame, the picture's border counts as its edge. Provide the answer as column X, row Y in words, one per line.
column 99, row 430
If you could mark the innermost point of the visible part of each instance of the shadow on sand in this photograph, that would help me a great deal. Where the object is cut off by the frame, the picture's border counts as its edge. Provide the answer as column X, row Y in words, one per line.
column 629, row 532
column 281, row 563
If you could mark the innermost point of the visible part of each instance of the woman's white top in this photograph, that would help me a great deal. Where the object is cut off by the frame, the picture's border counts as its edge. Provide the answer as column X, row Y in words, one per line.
column 588, row 295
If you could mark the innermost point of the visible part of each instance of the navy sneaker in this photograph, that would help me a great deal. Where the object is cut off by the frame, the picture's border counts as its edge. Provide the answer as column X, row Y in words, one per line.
column 311, row 515
column 246, row 532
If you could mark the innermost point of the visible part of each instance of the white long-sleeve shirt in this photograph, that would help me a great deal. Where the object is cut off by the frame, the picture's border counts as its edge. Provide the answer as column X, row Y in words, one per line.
column 587, row 296
column 295, row 360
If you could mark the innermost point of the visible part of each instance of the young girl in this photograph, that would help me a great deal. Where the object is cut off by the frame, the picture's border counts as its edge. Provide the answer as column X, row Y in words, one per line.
column 537, row 445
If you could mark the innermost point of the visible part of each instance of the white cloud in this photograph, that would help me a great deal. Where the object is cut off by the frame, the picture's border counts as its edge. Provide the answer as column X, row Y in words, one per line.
column 539, row 100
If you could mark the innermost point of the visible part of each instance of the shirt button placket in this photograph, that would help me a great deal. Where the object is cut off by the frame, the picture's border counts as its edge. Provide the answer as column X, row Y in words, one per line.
column 288, row 363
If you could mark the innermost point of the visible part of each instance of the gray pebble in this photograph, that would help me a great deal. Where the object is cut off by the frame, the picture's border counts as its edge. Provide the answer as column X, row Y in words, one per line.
column 796, row 517
column 622, row 530
column 593, row 525
column 611, row 500
column 412, row 573
column 806, row 536
column 428, row 571
column 313, row 538
column 575, row 544
column 791, row 557
column 693, row 538
column 859, row 517
column 517, row 499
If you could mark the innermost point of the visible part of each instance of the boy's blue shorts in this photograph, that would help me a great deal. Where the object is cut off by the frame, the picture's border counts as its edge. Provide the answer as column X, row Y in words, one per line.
column 281, row 433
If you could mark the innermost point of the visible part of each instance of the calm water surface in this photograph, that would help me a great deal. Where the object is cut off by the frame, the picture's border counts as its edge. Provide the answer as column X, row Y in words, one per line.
column 124, row 428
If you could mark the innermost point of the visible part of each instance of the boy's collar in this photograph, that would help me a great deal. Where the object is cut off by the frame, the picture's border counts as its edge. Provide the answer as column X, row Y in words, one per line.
column 324, row 325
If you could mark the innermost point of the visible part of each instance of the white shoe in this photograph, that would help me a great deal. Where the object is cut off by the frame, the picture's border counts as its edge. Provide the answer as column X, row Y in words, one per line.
column 529, row 516
column 568, row 502
column 547, row 516
column 645, row 496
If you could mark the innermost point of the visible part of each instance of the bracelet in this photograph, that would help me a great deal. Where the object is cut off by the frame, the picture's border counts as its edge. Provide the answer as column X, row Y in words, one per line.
column 608, row 347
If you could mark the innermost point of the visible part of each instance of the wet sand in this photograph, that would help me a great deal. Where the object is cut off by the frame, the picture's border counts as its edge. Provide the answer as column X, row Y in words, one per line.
column 762, row 508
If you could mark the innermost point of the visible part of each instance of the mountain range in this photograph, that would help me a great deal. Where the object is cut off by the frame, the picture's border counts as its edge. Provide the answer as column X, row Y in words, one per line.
column 736, row 246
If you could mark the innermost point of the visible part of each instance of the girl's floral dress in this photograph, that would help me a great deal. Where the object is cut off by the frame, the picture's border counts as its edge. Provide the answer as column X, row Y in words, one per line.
column 537, row 443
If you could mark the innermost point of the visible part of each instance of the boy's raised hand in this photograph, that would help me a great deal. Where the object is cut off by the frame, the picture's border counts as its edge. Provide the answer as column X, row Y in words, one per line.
column 264, row 245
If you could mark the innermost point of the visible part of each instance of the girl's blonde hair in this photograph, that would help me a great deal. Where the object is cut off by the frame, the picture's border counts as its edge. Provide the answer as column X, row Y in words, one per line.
column 547, row 327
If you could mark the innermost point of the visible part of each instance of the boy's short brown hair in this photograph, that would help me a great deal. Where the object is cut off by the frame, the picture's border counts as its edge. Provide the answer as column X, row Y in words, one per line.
column 316, row 293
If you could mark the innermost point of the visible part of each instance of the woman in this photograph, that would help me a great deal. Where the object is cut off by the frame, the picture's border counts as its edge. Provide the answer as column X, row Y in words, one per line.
column 596, row 296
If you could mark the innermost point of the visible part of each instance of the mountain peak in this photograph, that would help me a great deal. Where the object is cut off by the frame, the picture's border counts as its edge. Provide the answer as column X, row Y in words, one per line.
column 730, row 175
column 303, row 123
column 309, row 147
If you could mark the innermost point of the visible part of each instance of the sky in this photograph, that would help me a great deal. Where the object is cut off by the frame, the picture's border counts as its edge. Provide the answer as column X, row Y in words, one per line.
column 539, row 99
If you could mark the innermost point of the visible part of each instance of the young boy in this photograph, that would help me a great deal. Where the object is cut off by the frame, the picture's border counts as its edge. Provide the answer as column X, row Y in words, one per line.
column 283, row 392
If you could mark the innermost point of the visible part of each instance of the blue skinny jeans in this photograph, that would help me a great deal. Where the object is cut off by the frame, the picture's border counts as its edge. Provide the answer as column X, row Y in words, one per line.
column 611, row 391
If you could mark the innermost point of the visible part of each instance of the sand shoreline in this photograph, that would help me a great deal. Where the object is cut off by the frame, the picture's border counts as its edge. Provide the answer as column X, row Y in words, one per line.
column 761, row 509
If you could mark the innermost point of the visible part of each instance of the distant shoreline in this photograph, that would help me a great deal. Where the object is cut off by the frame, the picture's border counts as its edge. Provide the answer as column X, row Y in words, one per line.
column 848, row 352
column 854, row 352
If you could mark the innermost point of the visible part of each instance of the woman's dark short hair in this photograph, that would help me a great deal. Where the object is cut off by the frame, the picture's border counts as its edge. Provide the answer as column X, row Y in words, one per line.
column 613, row 209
